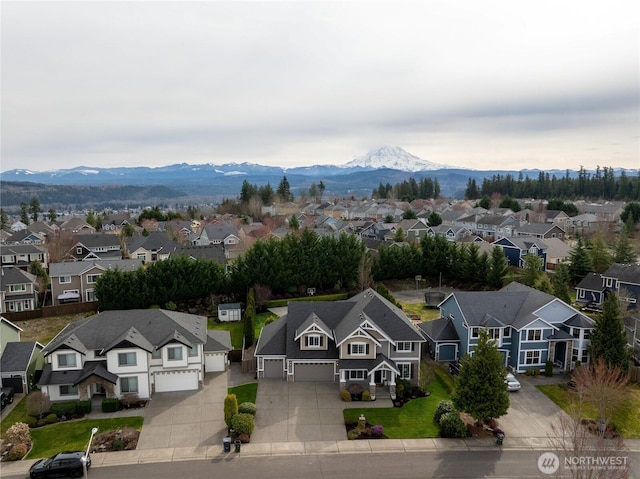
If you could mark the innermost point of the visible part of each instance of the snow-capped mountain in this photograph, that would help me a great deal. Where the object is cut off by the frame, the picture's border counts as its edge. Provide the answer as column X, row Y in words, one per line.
column 392, row 157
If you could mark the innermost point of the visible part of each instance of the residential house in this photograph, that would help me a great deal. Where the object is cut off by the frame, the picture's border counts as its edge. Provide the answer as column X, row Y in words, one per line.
column 117, row 353
column 20, row 290
column 528, row 326
column 624, row 280
column 20, row 361
column 451, row 233
column 18, row 226
column 586, row 224
column 226, row 235
column 414, row 230
column 22, row 255
column 516, row 249
column 608, row 211
column 557, row 252
column 590, row 291
column 157, row 246
column 25, row 237
column 364, row 340
column 77, row 225
column 114, row 223
column 216, row 351
column 557, row 217
column 539, row 230
column 95, row 246
column 75, row 281
column 213, row 252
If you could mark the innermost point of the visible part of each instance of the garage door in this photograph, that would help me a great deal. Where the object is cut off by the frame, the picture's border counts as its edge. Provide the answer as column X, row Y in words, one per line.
column 15, row 383
column 215, row 362
column 273, row 368
column 313, row 372
column 447, row 352
column 176, row 381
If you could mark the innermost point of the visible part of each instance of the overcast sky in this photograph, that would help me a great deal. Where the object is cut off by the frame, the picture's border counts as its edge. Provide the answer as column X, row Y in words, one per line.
column 475, row 84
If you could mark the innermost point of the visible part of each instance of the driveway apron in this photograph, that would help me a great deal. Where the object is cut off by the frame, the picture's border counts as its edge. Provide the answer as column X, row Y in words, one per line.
column 302, row 411
column 186, row 418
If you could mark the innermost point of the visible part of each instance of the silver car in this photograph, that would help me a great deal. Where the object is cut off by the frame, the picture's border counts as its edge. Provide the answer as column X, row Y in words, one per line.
column 512, row 383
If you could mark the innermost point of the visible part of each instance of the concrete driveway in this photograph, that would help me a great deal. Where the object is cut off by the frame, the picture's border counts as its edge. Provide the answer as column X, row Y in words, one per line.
column 302, row 411
column 186, row 418
column 531, row 413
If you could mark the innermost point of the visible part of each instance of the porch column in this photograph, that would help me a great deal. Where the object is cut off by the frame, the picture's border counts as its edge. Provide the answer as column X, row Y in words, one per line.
column 552, row 351
column 392, row 386
column 343, row 380
column 372, row 388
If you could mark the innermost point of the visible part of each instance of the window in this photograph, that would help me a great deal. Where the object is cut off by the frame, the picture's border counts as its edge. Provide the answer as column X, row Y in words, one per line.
column 78, row 250
column 507, row 332
column 356, row 374
column 575, row 332
column 192, row 351
column 494, row 333
column 141, row 256
column 475, row 332
column 92, row 278
column 66, row 390
column 64, row 279
column 581, row 293
column 585, row 357
column 126, row 359
column 534, row 335
column 129, row 385
column 91, row 295
column 405, row 370
column 156, row 354
column 587, row 334
column 67, row 360
column 609, row 282
column 98, row 353
column 16, row 288
column 404, row 346
column 358, row 349
column 313, row 341
column 532, row 357
column 574, row 354
column 174, row 354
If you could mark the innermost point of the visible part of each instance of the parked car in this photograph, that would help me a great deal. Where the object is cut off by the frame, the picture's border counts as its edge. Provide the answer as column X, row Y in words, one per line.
column 512, row 383
column 6, row 397
column 63, row 464
column 454, row 368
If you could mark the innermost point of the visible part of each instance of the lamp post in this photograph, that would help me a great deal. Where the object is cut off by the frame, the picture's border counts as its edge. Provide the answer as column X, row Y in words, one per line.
column 86, row 455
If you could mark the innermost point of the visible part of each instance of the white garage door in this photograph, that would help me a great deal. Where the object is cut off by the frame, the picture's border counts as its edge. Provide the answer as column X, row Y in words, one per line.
column 176, row 381
column 313, row 372
column 215, row 362
column 273, row 368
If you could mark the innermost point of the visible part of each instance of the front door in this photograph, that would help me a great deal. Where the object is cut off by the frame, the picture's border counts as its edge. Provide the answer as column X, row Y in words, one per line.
column 380, row 377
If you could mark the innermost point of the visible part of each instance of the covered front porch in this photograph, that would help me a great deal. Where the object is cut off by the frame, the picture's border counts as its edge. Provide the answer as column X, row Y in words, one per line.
column 378, row 376
column 560, row 348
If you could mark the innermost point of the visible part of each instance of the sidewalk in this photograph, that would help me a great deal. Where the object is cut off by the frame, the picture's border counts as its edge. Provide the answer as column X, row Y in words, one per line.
column 105, row 459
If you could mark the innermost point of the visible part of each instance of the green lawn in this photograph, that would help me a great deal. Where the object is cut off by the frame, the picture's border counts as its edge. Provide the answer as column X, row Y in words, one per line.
column 18, row 414
column 74, row 435
column 411, row 421
column 237, row 329
column 626, row 418
column 421, row 309
column 245, row 393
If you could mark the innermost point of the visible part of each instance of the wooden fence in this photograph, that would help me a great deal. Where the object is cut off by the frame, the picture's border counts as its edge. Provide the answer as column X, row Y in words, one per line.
column 50, row 311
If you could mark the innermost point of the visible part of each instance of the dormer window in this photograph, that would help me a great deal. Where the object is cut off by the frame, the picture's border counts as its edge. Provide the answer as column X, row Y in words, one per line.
column 313, row 341
column 358, row 349
column 403, row 346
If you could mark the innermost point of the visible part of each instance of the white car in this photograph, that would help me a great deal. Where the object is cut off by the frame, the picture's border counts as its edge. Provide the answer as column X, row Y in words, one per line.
column 512, row 383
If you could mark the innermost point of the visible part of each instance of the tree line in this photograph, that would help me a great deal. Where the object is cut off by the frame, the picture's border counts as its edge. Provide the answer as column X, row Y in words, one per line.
column 409, row 190
column 602, row 184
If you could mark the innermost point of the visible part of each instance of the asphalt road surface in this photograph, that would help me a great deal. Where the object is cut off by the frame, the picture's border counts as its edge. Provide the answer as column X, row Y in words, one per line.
column 444, row 464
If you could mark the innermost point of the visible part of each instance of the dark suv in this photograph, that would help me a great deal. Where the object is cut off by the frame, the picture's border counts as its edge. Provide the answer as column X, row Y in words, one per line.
column 62, row 464
column 6, row 397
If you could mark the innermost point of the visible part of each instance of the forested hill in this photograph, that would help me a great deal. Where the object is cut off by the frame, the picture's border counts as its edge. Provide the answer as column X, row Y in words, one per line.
column 13, row 193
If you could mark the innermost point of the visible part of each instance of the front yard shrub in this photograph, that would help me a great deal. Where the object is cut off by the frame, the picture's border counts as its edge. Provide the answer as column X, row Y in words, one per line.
column 230, row 408
column 377, row 431
column 37, row 404
column 442, row 408
column 31, row 421
column 548, row 368
column 451, row 425
column 353, row 434
column 67, row 408
column 345, row 395
column 110, row 404
column 17, row 452
column 247, row 408
column 171, row 306
column 84, row 407
column 366, row 396
column 18, row 434
column 243, row 423
column 51, row 419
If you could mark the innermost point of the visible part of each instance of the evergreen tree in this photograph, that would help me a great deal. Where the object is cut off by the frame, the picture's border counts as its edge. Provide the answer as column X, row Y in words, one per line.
column 399, row 237
column 294, row 224
column 560, row 283
column 321, row 189
column 284, row 189
column 608, row 339
column 485, row 202
column 498, row 268
column 601, row 259
column 532, row 269
column 624, row 251
column 388, row 219
column 580, row 264
column 409, row 215
column 249, row 319
column 543, row 283
column 24, row 213
column 434, row 219
column 479, row 388
column 34, row 208
column 52, row 214
column 4, row 219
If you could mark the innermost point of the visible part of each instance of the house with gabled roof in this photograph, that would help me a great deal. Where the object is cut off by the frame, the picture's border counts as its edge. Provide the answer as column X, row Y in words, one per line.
column 25, row 237
column 117, row 353
column 528, row 326
column 539, row 230
column 590, row 291
column 21, row 255
column 364, row 340
column 624, row 280
column 77, row 225
column 226, row 235
column 20, row 290
column 19, row 360
column 95, row 246
column 516, row 249
column 157, row 246
column 75, row 281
